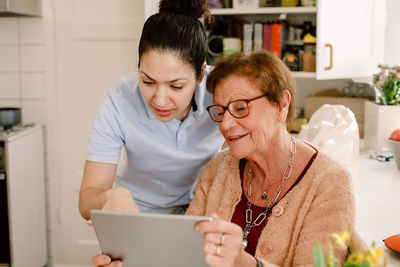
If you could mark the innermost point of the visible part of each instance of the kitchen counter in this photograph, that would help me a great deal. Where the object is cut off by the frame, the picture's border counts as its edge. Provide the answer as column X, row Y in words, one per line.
column 377, row 188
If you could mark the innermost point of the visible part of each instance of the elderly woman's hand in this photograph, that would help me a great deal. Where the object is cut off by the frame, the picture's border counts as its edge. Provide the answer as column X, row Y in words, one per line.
column 104, row 261
column 222, row 243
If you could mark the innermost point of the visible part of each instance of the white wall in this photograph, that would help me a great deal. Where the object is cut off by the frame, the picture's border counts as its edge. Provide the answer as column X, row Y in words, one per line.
column 392, row 33
column 150, row 8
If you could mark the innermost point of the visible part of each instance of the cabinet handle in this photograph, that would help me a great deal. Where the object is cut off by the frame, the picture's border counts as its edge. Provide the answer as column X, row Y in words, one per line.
column 330, row 57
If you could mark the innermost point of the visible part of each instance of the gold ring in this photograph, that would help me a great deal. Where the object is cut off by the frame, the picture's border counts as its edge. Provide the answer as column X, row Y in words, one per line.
column 217, row 249
column 221, row 241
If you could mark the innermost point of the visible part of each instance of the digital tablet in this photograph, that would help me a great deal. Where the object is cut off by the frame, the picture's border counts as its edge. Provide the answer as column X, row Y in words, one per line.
column 149, row 240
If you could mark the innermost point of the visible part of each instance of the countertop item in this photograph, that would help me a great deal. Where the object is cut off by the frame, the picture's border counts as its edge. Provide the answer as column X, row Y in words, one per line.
column 393, row 243
column 10, row 116
column 394, row 147
column 20, row 7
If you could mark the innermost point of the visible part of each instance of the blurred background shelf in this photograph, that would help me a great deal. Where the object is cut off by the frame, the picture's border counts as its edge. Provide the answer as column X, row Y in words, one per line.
column 264, row 10
column 303, row 74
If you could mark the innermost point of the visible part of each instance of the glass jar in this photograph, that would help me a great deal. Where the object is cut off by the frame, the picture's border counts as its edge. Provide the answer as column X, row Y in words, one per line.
column 309, row 58
column 347, row 89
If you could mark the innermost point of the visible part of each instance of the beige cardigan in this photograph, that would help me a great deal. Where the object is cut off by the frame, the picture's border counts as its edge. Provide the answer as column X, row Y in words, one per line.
column 322, row 203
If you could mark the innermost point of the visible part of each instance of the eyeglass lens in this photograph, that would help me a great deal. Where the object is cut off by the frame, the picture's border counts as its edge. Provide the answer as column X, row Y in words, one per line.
column 238, row 109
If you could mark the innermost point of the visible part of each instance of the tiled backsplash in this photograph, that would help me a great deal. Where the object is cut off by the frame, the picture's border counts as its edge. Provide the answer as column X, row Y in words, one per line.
column 23, row 74
column 23, row 66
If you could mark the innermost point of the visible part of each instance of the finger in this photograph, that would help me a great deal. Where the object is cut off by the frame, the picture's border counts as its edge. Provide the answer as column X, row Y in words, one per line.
column 214, row 261
column 213, row 238
column 215, row 216
column 205, row 244
column 89, row 222
column 219, row 239
column 214, row 249
column 115, row 264
column 100, row 260
column 105, row 261
column 218, row 226
column 222, row 239
column 112, row 264
column 209, row 226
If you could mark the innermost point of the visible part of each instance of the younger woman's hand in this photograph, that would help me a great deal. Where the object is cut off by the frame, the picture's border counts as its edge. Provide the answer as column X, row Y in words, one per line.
column 222, row 243
column 104, row 261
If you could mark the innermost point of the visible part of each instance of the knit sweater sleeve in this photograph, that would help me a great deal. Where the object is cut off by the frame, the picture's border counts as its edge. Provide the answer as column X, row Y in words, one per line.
column 331, row 210
column 199, row 202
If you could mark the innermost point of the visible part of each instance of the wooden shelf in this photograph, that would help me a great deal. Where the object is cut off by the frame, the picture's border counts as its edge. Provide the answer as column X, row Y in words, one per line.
column 303, row 74
column 264, row 10
column 298, row 43
column 250, row 12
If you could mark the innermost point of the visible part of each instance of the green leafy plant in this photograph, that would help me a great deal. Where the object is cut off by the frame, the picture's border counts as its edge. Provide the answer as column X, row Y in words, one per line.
column 372, row 258
column 387, row 83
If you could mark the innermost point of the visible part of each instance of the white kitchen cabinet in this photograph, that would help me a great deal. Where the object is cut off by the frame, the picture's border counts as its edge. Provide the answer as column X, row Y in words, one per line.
column 350, row 38
column 24, row 165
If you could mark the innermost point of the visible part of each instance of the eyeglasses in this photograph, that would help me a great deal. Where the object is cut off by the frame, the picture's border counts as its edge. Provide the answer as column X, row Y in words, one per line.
column 238, row 109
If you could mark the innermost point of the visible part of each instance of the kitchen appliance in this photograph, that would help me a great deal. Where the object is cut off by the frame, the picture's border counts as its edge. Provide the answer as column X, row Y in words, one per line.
column 10, row 117
column 20, row 7
column 4, row 230
column 23, row 234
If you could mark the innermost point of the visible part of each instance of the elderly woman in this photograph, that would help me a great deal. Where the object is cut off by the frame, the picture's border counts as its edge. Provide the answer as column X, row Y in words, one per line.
column 276, row 196
column 272, row 196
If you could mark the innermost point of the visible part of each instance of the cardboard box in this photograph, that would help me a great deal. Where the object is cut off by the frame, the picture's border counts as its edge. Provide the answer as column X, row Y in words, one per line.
column 356, row 105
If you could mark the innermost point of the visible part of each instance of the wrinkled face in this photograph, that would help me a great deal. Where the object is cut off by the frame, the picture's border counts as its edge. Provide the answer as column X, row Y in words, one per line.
column 167, row 84
column 255, row 132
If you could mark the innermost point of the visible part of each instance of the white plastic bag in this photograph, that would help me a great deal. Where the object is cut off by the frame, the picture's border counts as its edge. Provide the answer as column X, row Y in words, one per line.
column 334, row 129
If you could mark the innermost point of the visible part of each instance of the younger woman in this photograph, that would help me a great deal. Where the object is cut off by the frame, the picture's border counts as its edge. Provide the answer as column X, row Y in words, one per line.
column 158, row 116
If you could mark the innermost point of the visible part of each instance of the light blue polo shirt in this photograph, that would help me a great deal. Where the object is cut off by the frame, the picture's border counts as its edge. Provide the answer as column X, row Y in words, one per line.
column 163, row 159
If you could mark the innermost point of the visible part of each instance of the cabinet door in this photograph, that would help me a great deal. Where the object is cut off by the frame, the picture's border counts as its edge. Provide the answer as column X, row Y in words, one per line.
column 345, row 44
column 26, row 199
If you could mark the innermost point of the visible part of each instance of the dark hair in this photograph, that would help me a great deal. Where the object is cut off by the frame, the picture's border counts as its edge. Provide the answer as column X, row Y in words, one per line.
column 266, row 70
column 177, row 28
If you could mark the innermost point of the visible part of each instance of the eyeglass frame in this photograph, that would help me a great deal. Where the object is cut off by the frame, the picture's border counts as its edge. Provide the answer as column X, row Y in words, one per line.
column 247, row 101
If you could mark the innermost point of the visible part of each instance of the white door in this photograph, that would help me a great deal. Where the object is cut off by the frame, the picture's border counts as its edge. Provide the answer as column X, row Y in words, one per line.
column 349, row 38
column 96, row 44
column 150, row 7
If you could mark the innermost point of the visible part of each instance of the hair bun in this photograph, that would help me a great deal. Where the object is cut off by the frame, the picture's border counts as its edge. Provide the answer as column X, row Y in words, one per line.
column 192, row 8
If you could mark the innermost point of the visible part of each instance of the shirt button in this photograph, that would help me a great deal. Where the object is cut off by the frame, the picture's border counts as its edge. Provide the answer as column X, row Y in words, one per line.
column 266, row 248
column 277, row 210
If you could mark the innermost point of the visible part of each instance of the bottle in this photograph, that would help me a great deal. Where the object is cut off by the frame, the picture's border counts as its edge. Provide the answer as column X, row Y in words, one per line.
column 347, row 90
column 307, row 28
column 289, row 3
column 309, row 55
